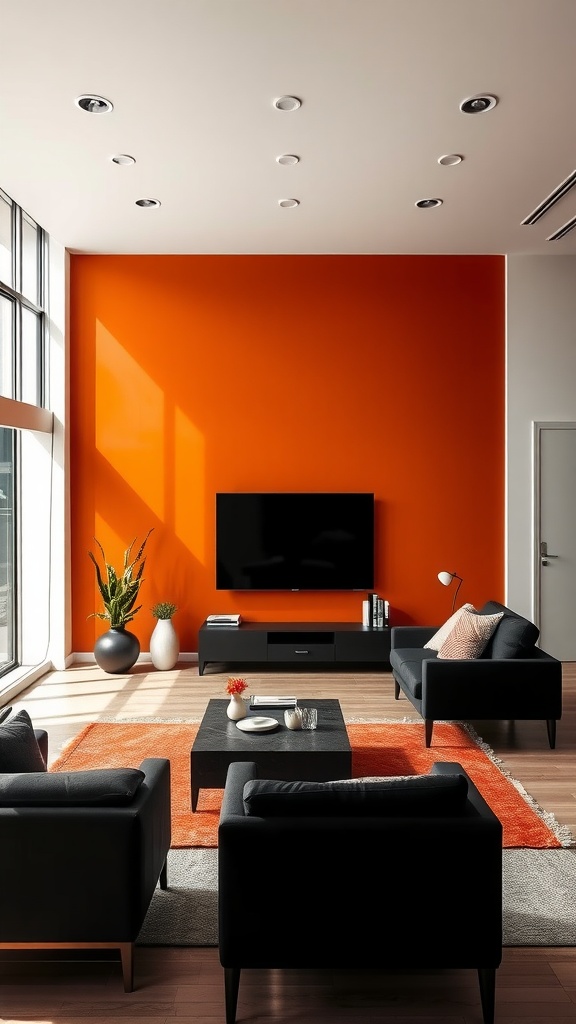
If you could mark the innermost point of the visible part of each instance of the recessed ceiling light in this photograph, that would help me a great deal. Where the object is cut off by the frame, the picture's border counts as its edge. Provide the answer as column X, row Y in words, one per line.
column 123, row 159
column 428, row 204
column 148, row 202
column 287, row 103
column 94, row 104
column 478, row 104
column 450, row 159
column 288, row 203
column 288, row 159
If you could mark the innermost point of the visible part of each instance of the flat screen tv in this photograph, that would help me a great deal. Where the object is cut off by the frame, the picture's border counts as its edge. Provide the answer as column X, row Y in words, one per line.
column 294, row 541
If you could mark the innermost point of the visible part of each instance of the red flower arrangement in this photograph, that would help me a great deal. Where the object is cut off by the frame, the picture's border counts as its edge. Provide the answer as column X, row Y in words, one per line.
column 236, row 685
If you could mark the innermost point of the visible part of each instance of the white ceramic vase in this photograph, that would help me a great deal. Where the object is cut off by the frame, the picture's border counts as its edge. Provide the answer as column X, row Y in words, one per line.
column 236, row 708
column 164, row 646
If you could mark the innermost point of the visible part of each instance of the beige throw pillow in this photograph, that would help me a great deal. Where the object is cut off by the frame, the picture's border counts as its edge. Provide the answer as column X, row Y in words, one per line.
column 469, row 636
column 435, row 642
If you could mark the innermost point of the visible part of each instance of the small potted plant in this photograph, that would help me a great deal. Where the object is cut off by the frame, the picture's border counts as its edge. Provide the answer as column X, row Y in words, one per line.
column 118, row 649
column 164, row 646
column 237, row 707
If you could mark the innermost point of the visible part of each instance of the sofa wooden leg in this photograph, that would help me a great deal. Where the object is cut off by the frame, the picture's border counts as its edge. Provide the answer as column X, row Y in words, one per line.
column 551, row 727
column 428, row 726
column 487, row 979
column 396, row 689
column 231, row 986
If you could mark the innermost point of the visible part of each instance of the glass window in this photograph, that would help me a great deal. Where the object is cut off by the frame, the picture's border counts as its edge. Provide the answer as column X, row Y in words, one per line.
column 23, row 253
column 31, row 339
column 6, row 346
column 5, row 239
column 30, row 255
column 7, row 550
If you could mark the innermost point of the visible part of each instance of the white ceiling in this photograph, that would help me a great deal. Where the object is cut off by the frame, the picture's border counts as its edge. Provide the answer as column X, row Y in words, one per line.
column 193, row 83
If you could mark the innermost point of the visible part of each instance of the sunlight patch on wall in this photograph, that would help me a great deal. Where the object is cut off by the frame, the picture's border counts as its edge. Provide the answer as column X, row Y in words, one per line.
column 189, row 485
column 129, row 425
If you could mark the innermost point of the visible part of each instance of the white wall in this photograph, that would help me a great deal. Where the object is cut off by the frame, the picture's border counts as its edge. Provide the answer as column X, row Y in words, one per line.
column 540, row 386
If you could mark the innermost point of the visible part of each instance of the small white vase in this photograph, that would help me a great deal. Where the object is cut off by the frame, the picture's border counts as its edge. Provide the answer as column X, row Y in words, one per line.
column 236, row 708
column 164, row 647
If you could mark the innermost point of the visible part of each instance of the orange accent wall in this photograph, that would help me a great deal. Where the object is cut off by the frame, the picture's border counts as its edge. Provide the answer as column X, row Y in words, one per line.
column 197, row 374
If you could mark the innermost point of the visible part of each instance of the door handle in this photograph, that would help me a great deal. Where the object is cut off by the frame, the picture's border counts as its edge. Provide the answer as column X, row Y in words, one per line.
column 545, row 554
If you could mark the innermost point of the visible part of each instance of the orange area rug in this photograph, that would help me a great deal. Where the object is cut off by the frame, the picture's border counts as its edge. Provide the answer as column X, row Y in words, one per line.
column 377, row 749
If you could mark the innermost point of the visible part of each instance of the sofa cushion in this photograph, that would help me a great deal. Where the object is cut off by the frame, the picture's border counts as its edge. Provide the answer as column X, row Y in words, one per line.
column 407, row 663
column 19, row 749
column 435, row 642
column 469, row 636
column 514, row 637
column 98, row 787
column 397, row 796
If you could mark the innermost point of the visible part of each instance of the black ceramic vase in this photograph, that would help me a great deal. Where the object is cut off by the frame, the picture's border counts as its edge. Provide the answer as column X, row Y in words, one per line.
column 116, row 650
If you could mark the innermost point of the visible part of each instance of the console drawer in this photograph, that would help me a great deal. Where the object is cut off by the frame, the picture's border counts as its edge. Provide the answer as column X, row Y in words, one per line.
column 371, row 645
column 231, row 644
column 301, row 652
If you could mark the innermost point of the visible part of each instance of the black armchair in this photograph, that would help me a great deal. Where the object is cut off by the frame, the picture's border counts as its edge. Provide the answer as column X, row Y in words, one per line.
column 81, row 854
column 351, row 852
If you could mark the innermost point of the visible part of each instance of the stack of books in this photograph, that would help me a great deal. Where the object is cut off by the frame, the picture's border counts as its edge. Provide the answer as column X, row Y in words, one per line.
column 375, row 612
column 230, row 619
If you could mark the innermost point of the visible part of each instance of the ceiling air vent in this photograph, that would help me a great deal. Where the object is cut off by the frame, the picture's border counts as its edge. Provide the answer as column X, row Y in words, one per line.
column 552, row 199
column 562, row 231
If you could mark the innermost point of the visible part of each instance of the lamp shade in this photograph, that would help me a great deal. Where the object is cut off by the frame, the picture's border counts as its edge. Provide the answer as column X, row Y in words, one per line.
column 445, row 578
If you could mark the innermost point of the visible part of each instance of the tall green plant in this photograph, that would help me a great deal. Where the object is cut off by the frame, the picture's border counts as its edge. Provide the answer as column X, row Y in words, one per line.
column 120, row 591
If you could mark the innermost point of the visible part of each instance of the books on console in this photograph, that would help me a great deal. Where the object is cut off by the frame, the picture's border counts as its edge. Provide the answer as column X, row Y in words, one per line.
column 230, row 619
column 266, row 701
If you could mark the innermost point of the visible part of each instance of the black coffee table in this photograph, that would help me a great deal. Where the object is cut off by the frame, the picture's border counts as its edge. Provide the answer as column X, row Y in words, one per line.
column 309, row 755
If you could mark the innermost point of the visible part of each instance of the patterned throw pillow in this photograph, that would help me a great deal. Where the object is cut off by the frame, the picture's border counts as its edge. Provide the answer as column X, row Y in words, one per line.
column 435, row 642
column 469, row 636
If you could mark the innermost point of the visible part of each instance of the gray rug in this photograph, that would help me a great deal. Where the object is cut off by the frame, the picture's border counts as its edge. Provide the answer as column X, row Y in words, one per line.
column 539, row 900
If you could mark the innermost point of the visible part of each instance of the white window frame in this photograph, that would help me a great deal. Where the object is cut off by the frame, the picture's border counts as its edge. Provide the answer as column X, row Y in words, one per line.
column 44, row 633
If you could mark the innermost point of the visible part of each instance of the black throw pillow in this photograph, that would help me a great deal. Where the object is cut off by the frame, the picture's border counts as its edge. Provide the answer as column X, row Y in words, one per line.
column 394, row 796
column 96, row 787
column 19, row 750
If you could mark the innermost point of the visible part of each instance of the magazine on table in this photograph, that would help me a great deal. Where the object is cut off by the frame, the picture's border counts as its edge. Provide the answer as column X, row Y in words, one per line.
column 266, row 701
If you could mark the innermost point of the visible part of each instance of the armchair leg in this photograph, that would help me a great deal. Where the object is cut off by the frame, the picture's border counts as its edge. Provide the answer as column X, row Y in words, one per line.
column 551, row 727
column 231, row 986
column 396, row 689
column 487, row 979
column 127, row 958
column 428, row 726
column 164, row 875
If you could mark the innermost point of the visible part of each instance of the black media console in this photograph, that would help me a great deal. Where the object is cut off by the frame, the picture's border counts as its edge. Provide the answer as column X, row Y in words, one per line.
column 341, row 644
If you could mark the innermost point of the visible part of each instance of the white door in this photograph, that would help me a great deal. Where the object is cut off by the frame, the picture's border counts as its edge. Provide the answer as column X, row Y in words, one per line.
column 555, row 538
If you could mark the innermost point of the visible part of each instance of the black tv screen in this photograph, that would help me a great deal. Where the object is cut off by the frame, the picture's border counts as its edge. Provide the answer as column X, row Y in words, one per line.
column 294, row 541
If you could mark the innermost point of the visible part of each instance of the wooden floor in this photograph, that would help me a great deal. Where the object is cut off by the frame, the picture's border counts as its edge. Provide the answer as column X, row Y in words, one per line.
column 534, row 986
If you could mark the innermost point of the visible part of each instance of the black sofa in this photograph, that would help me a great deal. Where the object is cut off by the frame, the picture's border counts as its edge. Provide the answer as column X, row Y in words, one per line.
column 512, row 679
column 81, row 854
column 401, row 874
